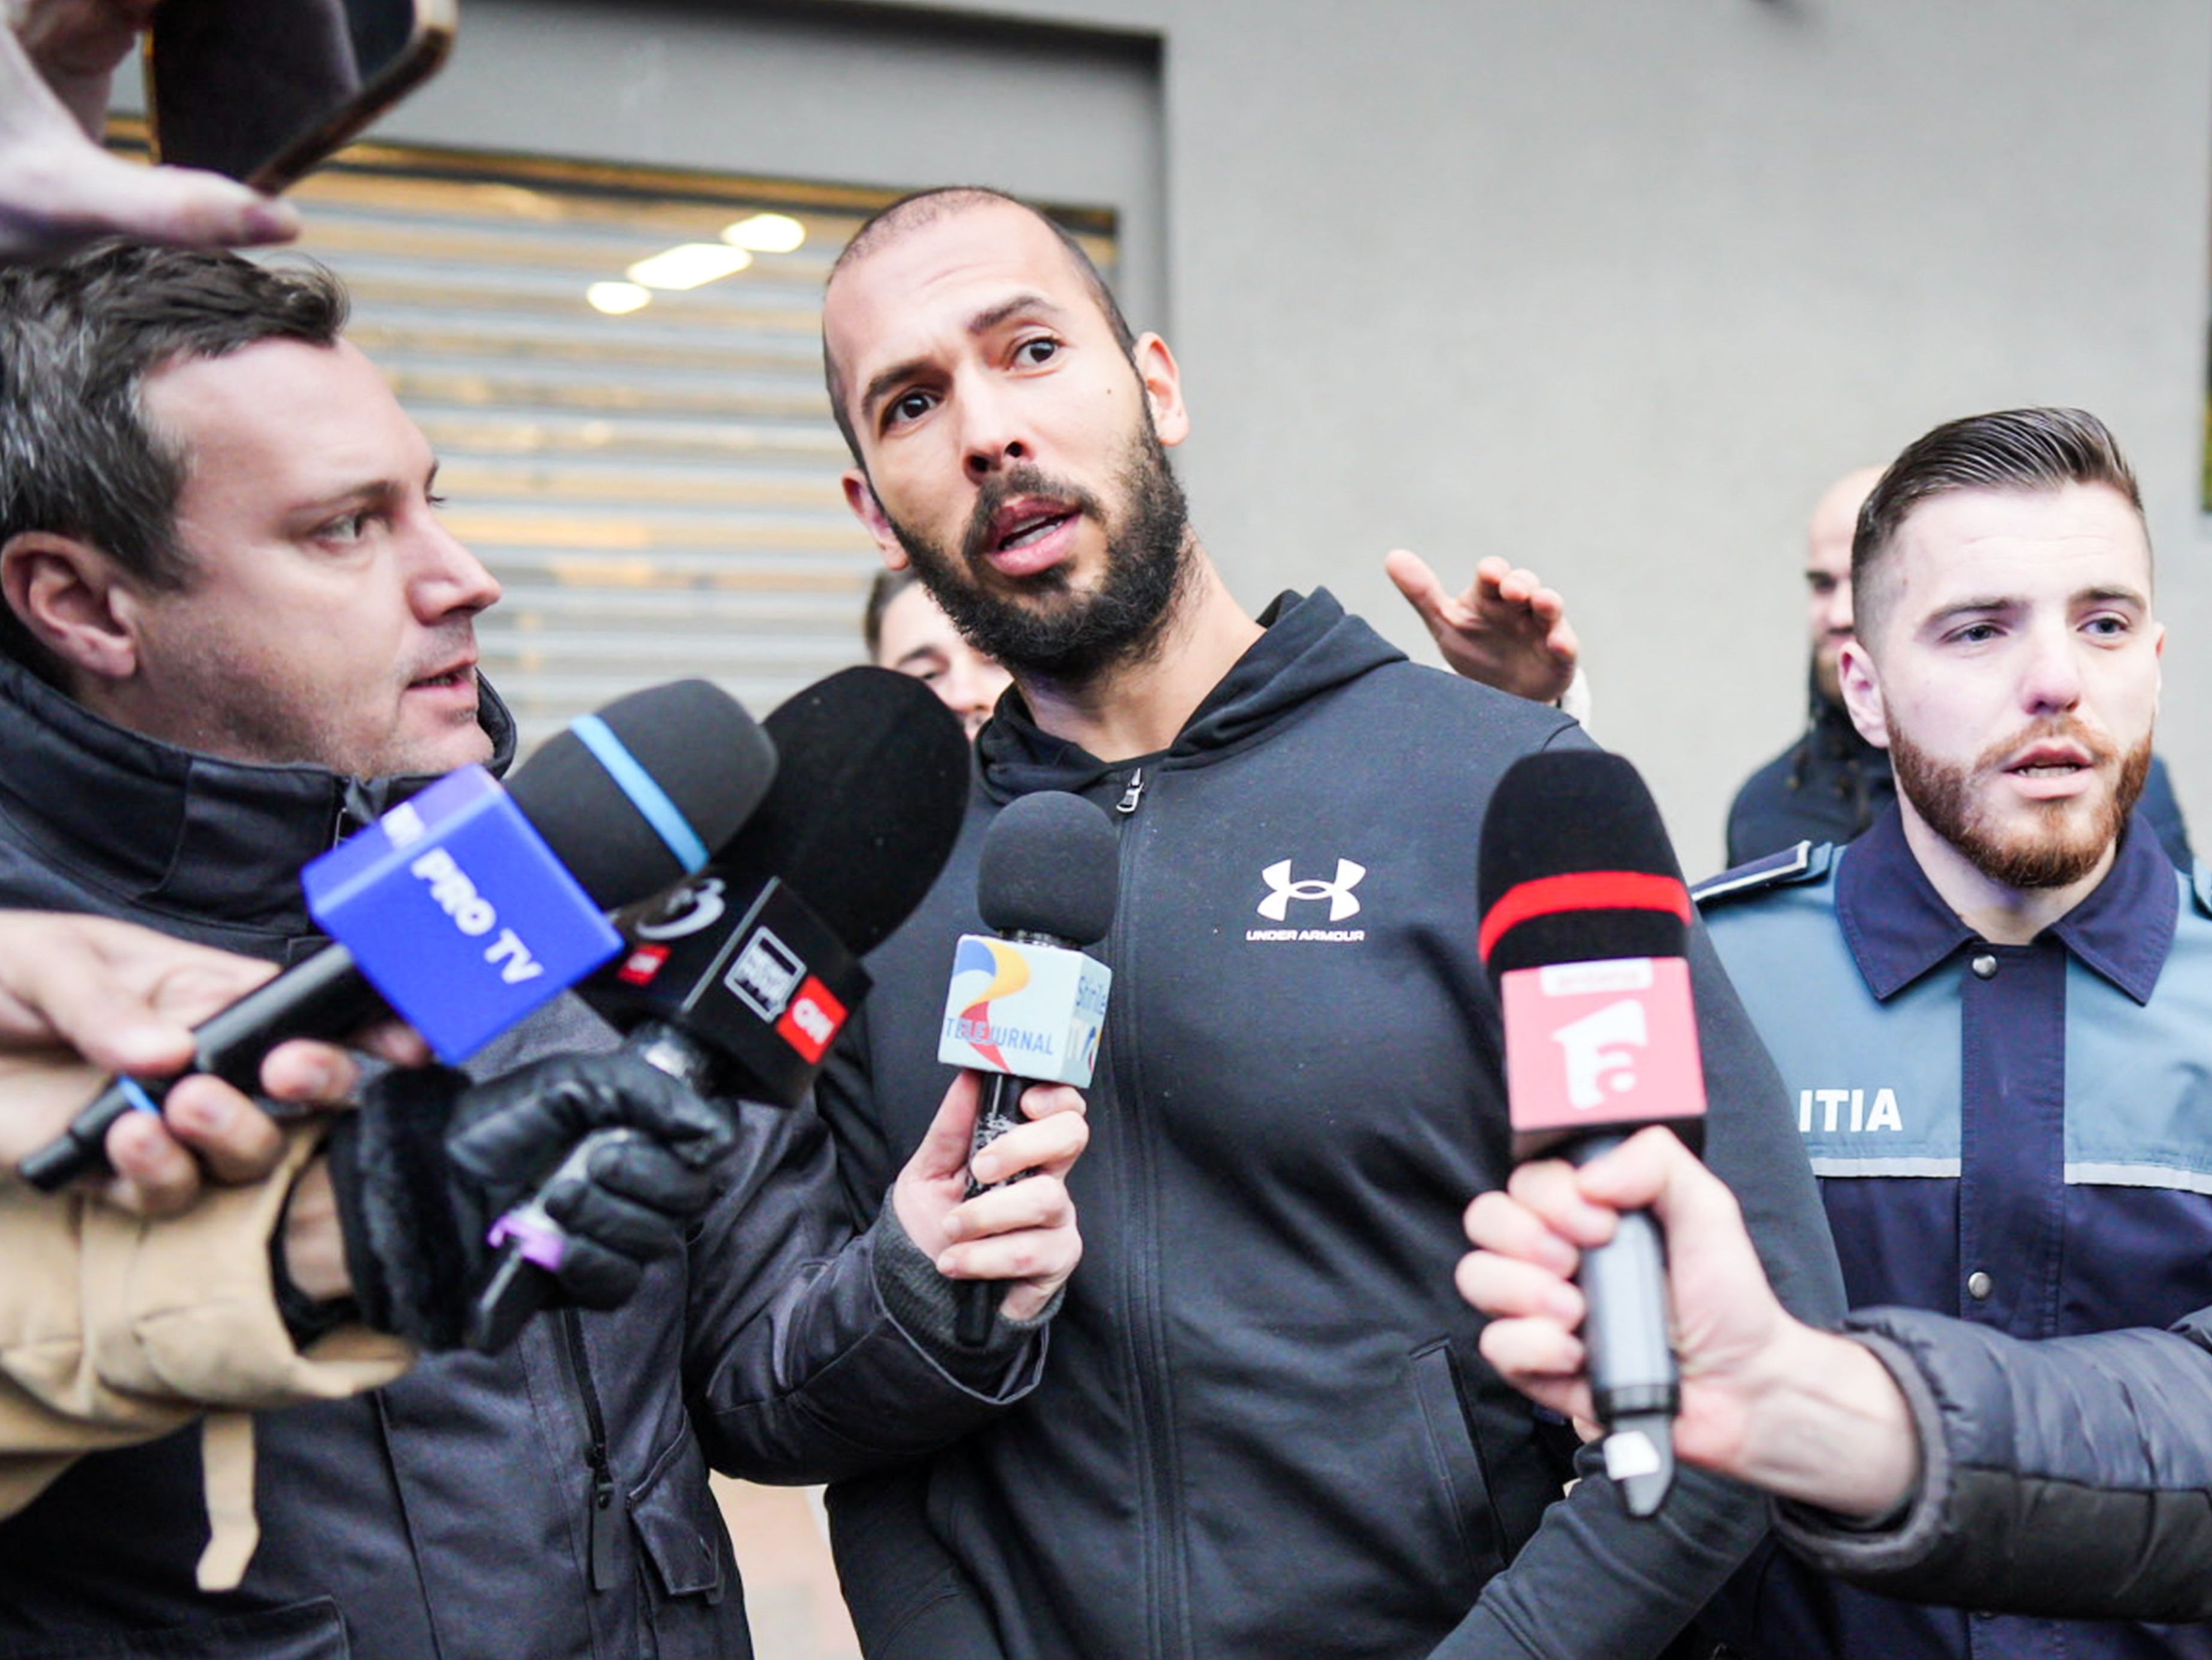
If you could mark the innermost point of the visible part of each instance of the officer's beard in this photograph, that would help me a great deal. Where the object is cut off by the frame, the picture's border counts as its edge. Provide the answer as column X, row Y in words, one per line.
column 2066, row 842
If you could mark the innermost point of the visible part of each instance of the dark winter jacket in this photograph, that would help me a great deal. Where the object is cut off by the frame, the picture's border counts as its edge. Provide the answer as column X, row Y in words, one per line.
column 2071, row 1479
column 1266, row 1431
column 549, row 1501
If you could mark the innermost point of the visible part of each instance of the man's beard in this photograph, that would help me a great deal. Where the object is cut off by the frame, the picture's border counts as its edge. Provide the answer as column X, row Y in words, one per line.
column 2058, row 852
column 1049, row 630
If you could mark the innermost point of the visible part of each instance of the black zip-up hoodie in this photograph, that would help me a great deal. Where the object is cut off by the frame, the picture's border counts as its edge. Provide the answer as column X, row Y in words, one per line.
column 1265, row 1429
column 550, row 1501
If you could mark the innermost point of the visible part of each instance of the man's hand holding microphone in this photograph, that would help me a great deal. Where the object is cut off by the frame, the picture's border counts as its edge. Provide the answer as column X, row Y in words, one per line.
column 1804, row 1415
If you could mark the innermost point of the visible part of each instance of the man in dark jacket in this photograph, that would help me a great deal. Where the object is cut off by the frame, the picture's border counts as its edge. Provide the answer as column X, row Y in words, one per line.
column 1915, row 1455
column 1265, row 1430
column 235, row 631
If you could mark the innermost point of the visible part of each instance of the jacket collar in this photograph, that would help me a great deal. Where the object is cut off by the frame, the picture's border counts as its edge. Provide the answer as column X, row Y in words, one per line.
column 1310, row 646
column 164, row 827
column 1898, row 927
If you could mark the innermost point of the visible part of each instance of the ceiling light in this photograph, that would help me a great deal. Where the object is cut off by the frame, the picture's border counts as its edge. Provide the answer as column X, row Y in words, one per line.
column 689, row 265
column 766, row 233
column 618, row 299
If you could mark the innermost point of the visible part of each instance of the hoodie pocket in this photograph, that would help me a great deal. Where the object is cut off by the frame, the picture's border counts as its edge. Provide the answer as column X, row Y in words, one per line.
column 1454, row 1459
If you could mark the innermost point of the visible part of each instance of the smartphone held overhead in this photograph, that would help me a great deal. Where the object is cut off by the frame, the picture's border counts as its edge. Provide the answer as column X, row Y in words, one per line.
column 266, row 90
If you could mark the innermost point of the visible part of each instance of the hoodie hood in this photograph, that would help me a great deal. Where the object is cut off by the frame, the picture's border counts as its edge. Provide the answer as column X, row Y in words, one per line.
column 1311, row 646
column 164, row 829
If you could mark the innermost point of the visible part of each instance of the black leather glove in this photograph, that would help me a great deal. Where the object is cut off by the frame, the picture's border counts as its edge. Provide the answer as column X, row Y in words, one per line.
column 623, row 1154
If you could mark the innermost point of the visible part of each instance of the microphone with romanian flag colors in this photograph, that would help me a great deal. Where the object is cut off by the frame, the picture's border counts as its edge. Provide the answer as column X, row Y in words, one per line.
column 1585, row 922
column 1028, row 1006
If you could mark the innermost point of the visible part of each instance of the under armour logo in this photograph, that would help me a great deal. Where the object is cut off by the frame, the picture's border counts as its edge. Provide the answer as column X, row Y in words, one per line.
column 1276, row 907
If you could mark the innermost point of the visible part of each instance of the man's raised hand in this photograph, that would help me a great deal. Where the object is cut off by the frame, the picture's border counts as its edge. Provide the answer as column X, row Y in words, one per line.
column 1507, row 630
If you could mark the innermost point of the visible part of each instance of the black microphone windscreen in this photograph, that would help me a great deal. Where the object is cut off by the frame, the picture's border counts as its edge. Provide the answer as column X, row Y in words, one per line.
column 1051, row 864
column 1559, row 823
column 692, row 739
column 869, row 797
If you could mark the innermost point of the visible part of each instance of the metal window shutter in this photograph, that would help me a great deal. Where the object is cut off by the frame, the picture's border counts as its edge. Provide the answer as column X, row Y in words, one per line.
column 657, row 492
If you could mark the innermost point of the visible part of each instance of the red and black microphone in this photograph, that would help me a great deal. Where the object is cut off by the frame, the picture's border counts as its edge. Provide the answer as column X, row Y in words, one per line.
column 1585, row 922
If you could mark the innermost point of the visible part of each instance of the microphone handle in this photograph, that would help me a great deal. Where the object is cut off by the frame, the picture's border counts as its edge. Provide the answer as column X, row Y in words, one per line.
column 324, row 996
column 528, row 1245
column 1633, row 1376
column 998, row 1110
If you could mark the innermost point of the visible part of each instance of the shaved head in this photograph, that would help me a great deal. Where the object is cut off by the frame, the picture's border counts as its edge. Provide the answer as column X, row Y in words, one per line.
column 918, row 212
column 1829, row 574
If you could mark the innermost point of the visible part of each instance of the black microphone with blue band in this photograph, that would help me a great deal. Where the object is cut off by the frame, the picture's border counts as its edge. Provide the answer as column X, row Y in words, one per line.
column 737, row 981
column 467, row 906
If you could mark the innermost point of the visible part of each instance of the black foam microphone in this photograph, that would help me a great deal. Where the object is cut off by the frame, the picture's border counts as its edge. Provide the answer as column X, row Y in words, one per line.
column 619, row 805
column 1585, row 922
column 1028, row 1006
column 738, row 980
column 754, row 961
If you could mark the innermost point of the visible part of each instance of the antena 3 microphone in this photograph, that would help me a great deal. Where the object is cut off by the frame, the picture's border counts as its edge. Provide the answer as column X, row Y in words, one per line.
column 738, row 980
column 1028, row 1006
column 1585, row 918
column 466, row 907
column 757, row 957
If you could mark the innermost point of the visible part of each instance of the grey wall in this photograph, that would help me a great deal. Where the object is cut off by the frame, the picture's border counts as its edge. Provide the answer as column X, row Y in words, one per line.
column 1613, row 287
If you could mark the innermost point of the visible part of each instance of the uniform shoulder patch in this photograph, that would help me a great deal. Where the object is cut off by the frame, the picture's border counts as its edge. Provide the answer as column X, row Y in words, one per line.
column 1803, row 863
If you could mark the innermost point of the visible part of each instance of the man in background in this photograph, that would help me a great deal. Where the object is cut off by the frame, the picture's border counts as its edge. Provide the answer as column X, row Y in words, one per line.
column 909, row 631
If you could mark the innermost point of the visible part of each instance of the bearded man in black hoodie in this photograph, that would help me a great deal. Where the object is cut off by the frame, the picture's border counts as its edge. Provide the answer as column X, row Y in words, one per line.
column 1266, row 1430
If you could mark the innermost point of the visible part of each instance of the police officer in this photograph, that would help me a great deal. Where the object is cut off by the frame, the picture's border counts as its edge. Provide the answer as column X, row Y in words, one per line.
column 1988, row 1009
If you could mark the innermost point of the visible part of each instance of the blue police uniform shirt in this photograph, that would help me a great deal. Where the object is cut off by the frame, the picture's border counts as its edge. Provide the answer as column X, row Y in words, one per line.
column 2017, row 1135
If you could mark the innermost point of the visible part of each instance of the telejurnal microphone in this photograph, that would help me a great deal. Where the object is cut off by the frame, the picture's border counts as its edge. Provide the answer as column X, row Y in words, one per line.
column 738, row 980
column 1585, row 919
column 467, row 906
column 1028, row 1006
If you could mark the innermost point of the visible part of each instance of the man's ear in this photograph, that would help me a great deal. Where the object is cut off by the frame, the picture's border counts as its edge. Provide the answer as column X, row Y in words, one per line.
column 1162, row 383
column 1862, row 690
column 71, row 598
column 860, row 496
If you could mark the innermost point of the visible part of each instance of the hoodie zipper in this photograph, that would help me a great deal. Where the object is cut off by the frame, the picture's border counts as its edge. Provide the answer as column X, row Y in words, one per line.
column 1133, row 794
column 599, row 1514
column 1162, row 1543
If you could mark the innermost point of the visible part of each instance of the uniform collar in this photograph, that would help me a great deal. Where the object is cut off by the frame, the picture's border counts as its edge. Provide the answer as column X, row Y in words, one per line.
column 1898, row 927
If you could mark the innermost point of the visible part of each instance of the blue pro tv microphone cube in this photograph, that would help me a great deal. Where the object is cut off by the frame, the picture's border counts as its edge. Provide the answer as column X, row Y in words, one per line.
column 458, row 913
